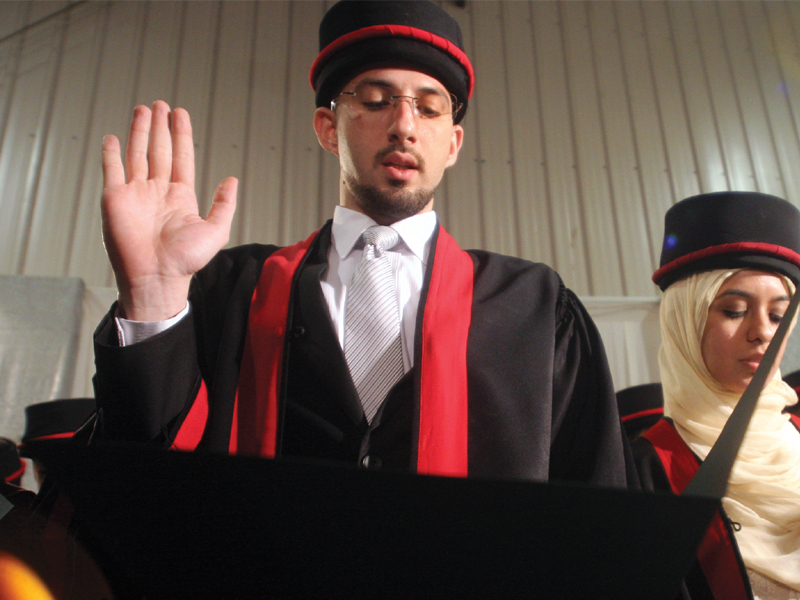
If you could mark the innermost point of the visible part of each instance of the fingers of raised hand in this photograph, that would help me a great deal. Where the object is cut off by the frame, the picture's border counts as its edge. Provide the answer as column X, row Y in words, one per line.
column 136, row 151
column 159, row 151
column 113, row 173
column 182, row 148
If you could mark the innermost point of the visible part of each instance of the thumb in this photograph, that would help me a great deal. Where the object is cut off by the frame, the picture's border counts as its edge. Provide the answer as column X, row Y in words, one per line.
column 223, row 205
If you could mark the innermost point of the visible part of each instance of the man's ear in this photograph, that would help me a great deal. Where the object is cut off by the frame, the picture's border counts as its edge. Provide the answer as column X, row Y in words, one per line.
column 325, row 126
column 456, row 139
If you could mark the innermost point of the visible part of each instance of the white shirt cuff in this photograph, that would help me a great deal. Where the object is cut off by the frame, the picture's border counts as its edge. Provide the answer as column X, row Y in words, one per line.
column 132, row 332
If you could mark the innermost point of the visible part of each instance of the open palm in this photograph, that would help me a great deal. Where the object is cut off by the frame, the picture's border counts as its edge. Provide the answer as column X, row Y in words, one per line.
column 153, row 232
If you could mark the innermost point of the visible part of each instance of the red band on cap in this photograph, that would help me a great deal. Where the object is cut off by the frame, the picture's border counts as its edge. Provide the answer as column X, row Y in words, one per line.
column 642, row 413
column 18, row 473
column 751, row 247
column 404, row 31
column 54, row 436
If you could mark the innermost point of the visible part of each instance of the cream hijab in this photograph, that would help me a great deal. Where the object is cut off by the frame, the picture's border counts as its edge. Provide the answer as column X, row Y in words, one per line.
column 763, row 493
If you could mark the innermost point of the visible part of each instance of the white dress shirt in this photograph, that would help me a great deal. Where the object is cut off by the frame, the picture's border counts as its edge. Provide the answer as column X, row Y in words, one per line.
column 408, row 260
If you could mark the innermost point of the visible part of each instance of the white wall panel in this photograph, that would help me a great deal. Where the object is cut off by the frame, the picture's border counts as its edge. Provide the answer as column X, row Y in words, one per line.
column 595, row 207
column 525, row 130
column 724, row 103
column 498, row 215
column 770, row 30
column 48, row 241
column 117, row 74
column 671, row 108
column 655, row 193
column 620, row 153
column 15, row 17
column 788, row 52
column 260, row 188
column 745, row 75
column 300, row 203
column 694, row 81
column 25, row 135
column 460, row 198
column 195, row 77
column 570, row 256
column 159, row 51
column 229, row 100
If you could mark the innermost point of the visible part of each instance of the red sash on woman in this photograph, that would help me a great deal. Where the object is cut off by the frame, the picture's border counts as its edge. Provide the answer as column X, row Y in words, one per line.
column 716, row 554
column 443, row 414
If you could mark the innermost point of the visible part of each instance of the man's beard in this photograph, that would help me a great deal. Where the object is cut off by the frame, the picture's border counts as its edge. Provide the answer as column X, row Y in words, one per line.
column 391, row 205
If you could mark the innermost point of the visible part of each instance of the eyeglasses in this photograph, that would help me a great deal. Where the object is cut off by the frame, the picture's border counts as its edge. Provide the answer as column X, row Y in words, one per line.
column 371, row 98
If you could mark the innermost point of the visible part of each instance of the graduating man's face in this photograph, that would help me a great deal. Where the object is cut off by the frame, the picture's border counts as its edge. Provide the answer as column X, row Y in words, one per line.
column 391, row 156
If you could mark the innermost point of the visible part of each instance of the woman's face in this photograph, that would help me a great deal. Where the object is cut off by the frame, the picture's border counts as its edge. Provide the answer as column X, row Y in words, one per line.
column 742, row 320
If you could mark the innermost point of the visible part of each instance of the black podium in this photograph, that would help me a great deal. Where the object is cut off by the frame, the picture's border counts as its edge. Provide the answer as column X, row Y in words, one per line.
column 190, row 525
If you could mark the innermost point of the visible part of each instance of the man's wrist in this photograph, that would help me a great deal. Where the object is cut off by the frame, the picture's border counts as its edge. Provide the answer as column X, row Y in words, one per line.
column 131, row 332
column 152, row 300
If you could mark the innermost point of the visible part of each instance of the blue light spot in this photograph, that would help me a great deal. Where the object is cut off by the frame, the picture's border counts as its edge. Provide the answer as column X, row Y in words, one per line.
column 670, row 242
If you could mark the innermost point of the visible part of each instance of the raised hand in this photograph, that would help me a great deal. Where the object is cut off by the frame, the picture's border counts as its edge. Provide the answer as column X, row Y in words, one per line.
column 152, row 230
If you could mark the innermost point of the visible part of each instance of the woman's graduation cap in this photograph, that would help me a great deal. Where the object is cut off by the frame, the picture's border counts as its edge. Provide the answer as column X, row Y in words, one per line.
column 729, row 230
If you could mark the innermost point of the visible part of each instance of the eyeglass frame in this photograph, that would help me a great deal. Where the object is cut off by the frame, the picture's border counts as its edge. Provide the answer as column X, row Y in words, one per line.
column 395, row 98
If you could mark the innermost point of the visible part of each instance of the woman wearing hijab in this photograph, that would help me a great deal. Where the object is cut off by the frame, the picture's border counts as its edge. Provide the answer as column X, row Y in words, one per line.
column 729, row 265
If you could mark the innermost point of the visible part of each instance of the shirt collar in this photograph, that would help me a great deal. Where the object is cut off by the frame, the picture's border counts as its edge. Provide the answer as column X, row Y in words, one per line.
column 348, row 225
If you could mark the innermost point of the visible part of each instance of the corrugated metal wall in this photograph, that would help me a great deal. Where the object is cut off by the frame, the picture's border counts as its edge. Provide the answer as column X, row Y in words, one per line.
column 588, row 121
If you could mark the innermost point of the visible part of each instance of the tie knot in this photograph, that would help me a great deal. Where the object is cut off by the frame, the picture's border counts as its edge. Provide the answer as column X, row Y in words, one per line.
column 383, row 238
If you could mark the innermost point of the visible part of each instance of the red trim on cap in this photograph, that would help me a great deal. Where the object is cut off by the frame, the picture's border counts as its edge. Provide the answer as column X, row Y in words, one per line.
column 643, row 413
column 18, row 473
column 756, row 247
column 376, row 31
column 54, row 436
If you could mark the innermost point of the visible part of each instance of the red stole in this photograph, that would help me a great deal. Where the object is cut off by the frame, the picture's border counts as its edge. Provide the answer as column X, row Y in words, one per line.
column 442, row 364
column 716, row 553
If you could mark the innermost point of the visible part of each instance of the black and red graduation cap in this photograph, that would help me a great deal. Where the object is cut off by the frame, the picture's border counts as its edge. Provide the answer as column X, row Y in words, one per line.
column 356, row 35
column 640, row 407
column 52, row 421
column 11, row 467
column 726, row 230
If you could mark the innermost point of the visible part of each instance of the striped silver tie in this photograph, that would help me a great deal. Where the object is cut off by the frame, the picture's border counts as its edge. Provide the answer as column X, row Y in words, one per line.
column 372, row 344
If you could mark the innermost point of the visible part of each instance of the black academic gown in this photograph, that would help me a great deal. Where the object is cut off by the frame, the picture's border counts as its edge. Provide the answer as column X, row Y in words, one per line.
column 718, row 567
column 541, row 401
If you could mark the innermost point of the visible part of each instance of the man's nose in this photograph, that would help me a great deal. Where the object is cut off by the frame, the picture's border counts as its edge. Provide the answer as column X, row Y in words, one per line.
column 404, row 119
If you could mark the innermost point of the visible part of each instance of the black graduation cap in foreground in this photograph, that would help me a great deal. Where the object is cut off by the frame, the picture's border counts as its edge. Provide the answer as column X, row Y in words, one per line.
column 640, row 407
column 167, row 524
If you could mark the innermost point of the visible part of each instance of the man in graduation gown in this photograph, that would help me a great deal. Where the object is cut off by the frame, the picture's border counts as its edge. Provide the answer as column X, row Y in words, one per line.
column 503, row 372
